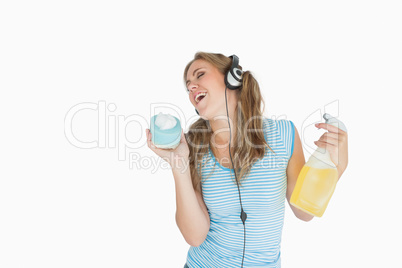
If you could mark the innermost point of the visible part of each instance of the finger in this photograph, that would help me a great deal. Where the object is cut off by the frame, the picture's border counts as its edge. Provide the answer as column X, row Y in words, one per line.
column 149, row 140
column 148, row 134
column 330, row 140
column 325, row 145
column 329, row 127
column 332, row 135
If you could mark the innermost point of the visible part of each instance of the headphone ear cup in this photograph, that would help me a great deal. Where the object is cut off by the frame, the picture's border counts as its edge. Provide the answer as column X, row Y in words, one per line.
column 234, row 81
column 234, row 77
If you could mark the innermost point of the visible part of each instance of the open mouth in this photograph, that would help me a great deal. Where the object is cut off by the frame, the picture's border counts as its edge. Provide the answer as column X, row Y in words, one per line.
column 200, row 97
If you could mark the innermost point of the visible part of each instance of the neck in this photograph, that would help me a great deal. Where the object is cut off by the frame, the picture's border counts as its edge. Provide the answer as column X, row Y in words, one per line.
column 220, row 128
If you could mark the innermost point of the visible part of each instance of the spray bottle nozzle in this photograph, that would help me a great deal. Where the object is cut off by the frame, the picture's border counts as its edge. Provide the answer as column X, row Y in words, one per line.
column 329, row 119
column 327, row 116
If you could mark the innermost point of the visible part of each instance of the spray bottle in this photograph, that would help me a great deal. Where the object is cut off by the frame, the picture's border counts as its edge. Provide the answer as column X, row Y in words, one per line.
column 317, row 180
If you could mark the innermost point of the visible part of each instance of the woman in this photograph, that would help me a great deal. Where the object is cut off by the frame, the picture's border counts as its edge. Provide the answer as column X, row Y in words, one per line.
column 263, row 155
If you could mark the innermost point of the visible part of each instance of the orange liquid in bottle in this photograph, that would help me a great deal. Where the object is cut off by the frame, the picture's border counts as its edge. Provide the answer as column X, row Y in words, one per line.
column 314, row 189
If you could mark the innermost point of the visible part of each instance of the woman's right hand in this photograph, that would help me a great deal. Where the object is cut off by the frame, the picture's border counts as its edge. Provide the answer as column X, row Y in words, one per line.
column 178, row 157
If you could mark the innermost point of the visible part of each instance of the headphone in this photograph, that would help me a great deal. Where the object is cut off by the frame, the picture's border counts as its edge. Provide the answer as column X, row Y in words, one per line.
column 233, row 81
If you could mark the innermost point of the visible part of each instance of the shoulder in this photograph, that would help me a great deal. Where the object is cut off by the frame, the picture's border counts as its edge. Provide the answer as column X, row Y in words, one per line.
column 280, row 126
column 280, row 132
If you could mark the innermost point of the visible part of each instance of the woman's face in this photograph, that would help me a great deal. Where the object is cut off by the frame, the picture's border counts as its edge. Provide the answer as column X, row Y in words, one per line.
column 205, row 77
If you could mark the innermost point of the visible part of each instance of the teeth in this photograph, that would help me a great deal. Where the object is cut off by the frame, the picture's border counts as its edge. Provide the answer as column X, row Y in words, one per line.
column 200, row 94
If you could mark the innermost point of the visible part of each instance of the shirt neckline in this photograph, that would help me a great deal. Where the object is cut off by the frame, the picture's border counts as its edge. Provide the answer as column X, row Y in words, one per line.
column 230, row 169
column 217, row 162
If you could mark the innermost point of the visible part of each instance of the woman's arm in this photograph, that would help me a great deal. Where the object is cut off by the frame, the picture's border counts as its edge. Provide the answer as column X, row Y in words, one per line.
column 192, row 216
column 295, row 165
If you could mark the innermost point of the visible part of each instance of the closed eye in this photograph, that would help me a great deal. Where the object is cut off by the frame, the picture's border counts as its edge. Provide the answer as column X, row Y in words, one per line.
column 198, row 77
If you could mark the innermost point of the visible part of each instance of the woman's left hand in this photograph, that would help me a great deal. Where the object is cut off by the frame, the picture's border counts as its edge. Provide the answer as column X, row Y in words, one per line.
column 336, row 142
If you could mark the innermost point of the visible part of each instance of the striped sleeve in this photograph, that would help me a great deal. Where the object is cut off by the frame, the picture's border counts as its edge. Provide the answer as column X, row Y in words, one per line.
column 287, row 132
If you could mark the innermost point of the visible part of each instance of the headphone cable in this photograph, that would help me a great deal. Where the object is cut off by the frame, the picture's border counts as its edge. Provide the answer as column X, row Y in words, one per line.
column 243, row 215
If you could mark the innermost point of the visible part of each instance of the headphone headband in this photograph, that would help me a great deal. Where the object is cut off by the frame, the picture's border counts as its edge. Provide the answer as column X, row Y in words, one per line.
column 235, row 61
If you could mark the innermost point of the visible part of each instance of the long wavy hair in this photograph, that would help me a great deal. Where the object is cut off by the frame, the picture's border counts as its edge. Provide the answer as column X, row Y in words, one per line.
column 250, row 144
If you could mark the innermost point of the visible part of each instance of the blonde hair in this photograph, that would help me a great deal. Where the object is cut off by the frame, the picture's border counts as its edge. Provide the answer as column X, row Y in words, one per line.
column 250, row 144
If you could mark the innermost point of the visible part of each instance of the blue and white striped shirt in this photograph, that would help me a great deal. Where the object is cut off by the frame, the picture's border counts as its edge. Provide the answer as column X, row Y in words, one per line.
column 263, row 195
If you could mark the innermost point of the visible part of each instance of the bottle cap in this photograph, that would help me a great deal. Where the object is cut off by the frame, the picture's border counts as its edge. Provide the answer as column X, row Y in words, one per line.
column 329, row 119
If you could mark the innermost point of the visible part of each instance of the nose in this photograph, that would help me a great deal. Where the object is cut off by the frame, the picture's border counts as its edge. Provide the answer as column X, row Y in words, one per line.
column 192, row 87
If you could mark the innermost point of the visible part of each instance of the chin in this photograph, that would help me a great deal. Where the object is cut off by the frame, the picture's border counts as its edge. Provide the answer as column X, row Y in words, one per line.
column 203, row 115
column 208, row 114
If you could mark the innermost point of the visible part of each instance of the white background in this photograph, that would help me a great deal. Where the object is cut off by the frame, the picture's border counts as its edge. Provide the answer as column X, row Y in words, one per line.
column 65, row 206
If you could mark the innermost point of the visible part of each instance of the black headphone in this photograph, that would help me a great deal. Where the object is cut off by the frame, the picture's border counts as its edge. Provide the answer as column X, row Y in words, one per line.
column 234, row 76
column 233, row 81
